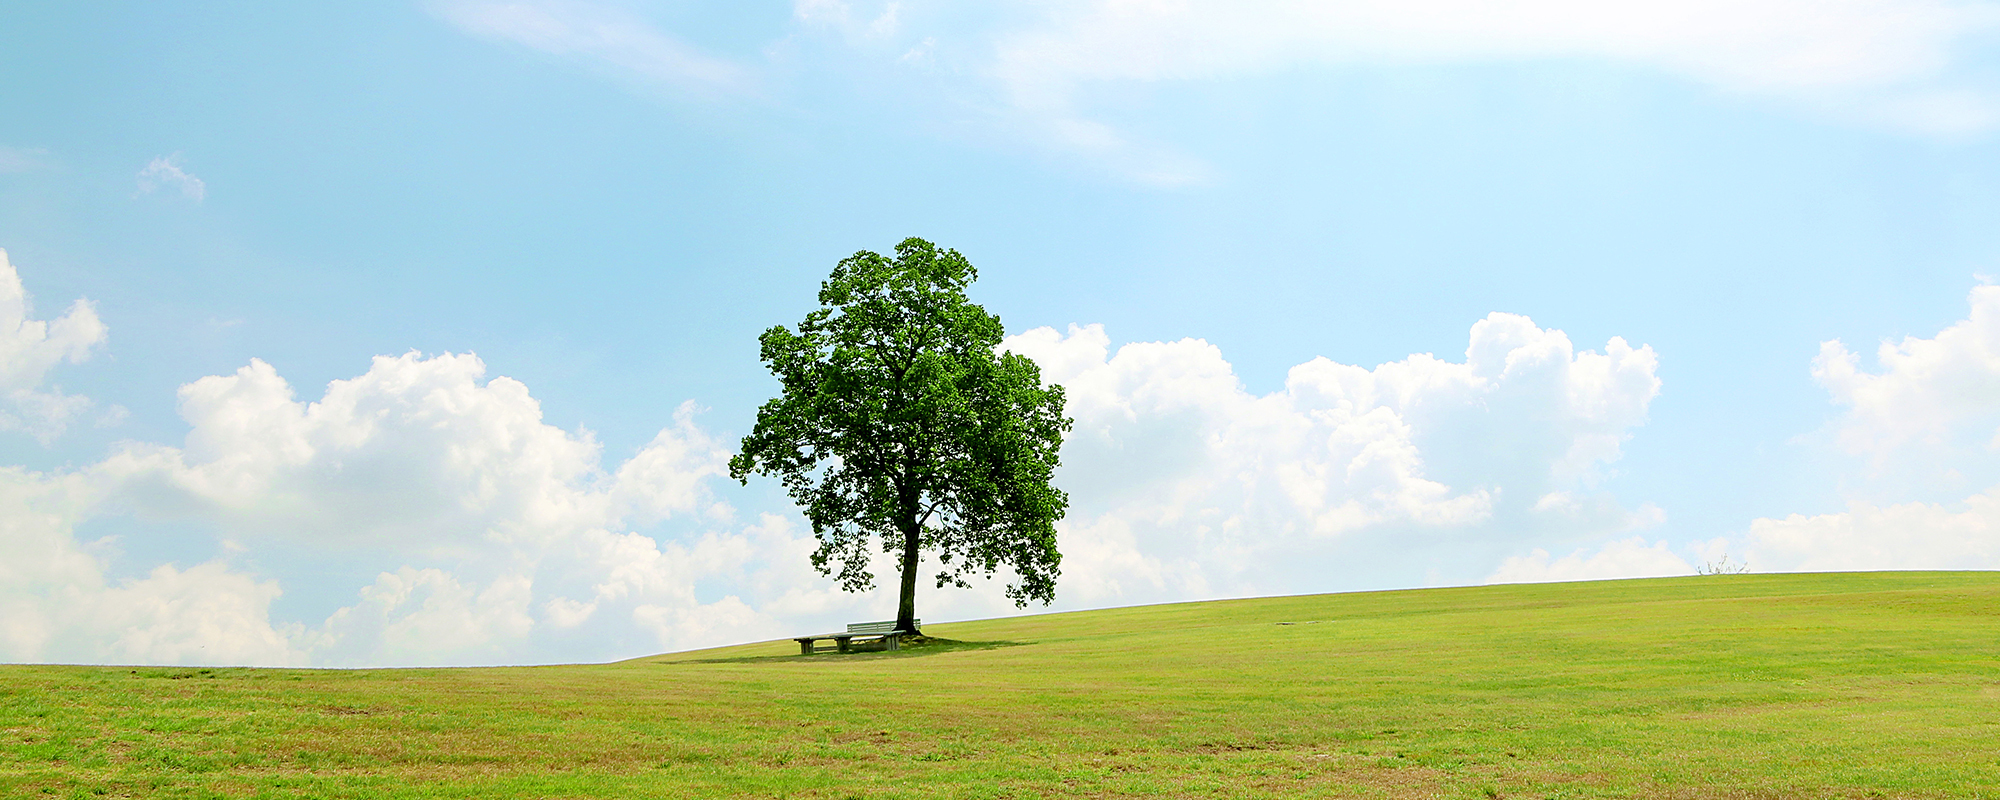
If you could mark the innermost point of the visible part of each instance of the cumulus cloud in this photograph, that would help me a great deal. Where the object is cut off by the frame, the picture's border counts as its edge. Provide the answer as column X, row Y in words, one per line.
column 475, row 532
column 29, row 348
column 165, row 174
column 600, row 35
column 440, row 458
column 1622, row 558
column 1929, row 392
column 421, row 458
column 1926, row 422
column 497, row 535
column 1868, row 537
column 684, row 626
column 1187, row 485
column 57, row 604
column 56, row 601
column 207, row 613
column 424, row 616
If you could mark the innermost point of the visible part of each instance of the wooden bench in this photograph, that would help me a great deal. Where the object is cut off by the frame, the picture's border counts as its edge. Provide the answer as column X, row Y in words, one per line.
column 884, row 631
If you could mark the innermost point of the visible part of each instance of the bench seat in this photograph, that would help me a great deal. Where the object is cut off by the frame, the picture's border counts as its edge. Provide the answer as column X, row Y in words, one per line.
column 882, row 631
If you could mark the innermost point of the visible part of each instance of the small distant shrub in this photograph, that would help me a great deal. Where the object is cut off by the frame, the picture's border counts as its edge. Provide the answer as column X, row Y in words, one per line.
column 1722, row 566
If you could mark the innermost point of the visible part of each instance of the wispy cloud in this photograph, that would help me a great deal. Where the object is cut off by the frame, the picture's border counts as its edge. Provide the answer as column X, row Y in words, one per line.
column 840, row 15
column 1031, row 74
column 1892, row 61
column 1905, row 65
column 603, row 36
column 18, row 159
column 166, row 174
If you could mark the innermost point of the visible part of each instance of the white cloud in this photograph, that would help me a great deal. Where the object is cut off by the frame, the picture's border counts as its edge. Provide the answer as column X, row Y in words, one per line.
column 840, row 15
column 1623, row 558
column 668, row 476
column 628, row 566
column 419, row 459
column 1889, row 59
column 1925, row 424
column 494, row 537
column 1749, row 44
column 428, row 616
column 1033, row 72
column 166, row 173
column 1869, row 537
column 1048, row 67
column 206, row 614
column 789, row 589
column 29, row 348
column 497, row 534
column 56, row 603
column 18, row 159
column 1187, row 485
column 682, row 627
column 1929, row 392
column 600, row 35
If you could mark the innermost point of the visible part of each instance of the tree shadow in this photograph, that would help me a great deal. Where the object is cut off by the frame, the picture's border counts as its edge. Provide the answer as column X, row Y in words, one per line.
column 911, row 648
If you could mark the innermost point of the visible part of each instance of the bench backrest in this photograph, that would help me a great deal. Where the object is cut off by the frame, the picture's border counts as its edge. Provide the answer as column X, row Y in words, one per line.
column 876, row 627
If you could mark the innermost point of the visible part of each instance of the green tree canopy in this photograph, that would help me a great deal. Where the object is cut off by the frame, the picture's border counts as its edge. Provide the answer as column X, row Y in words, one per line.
column 900, row 424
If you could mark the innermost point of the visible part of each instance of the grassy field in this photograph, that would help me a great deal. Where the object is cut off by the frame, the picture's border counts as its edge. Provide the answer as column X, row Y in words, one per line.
column 1849, row 685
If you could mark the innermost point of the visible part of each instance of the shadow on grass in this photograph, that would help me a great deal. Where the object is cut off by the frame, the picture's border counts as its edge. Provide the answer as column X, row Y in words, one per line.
column 911, row 648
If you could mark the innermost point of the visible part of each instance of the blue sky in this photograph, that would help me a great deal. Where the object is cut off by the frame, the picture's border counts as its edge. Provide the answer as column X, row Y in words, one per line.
column 606, row 202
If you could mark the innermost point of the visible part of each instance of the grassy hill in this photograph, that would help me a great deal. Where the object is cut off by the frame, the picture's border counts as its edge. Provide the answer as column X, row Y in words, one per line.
column 1841, row 685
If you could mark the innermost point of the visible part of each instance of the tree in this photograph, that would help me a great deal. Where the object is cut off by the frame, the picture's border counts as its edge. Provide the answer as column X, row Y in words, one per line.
column 899, row 422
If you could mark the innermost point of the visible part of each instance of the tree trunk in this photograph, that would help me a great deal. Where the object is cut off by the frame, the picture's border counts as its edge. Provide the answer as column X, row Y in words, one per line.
column 906, row 610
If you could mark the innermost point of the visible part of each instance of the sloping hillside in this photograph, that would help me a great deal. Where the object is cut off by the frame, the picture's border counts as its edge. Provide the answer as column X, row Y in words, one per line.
column 1850, row 685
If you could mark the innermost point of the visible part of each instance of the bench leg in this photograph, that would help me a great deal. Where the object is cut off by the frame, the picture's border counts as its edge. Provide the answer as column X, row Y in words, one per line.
column 805, row 647
column 895, row 641
column 843, row 645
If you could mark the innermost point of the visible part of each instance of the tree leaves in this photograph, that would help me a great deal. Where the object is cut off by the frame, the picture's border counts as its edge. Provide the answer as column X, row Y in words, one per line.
column 899, row 424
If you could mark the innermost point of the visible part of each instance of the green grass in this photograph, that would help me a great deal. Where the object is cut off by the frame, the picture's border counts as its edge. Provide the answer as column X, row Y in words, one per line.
column 1849, row 685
